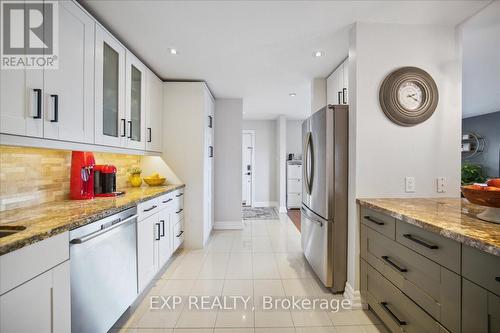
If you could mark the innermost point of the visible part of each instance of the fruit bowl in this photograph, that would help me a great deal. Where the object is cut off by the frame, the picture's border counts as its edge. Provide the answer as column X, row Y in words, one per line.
column 154, row 181
column 488, row 196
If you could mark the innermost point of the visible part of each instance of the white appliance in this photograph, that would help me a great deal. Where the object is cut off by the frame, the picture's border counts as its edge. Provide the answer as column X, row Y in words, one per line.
column 294, row 184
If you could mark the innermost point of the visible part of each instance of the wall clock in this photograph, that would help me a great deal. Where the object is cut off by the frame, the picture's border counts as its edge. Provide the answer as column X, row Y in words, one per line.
column 408, row 96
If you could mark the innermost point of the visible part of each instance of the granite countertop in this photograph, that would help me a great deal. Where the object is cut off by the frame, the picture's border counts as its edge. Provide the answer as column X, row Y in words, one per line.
column 49, row 219
column 453, row 218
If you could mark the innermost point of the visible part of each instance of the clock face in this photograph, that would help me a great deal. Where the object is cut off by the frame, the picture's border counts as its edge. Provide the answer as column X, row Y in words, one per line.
column 410, row 95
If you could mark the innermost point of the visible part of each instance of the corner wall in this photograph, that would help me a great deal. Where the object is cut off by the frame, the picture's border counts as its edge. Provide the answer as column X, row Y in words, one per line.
column 227, row 151
column 383, row 153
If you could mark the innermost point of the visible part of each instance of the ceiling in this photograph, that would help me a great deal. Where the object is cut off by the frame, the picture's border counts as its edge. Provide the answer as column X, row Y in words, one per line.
column 481, row 63
column 260, row 51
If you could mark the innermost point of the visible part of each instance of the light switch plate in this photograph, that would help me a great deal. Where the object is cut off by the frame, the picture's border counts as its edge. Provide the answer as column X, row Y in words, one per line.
column 409, row 184
column 441, row 184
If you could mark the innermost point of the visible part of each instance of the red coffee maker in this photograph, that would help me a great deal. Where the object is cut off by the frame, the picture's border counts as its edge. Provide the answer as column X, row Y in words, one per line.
column 105, row 181
column 81, row 185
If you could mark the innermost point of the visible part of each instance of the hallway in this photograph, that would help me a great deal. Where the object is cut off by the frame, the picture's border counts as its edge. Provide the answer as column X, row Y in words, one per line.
column 263, row 259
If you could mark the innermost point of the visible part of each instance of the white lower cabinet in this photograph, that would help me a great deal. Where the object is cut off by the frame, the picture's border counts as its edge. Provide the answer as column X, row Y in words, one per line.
column 164, row 239
column 146, row 248
column 42, row 304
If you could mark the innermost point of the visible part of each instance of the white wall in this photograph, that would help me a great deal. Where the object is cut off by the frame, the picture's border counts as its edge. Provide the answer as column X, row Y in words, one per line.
column 383, row 153
column 265, row 160
column 227, row 127
column 294, row 136
column 281, row 151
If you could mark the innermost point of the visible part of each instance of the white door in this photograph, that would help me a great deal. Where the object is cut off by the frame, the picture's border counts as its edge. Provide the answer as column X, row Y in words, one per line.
column 165, row 237
column 247, row 168
column 147, row 233
column 110, row 122
column 69, row 90
column 154, row 108
column 135, row 102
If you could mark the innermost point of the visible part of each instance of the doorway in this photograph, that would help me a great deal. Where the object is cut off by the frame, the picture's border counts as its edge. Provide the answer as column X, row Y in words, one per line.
column 247, row 167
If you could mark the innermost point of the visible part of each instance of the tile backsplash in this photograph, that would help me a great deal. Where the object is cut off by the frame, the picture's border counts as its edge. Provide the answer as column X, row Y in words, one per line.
column 30, row 176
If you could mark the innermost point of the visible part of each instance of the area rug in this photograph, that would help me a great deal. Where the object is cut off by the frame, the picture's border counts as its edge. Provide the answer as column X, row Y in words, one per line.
column 260, row 213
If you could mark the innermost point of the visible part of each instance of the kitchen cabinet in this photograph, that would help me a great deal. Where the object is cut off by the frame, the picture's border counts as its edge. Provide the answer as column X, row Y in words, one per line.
column 480, row 309
column 110, row 122
column 43, row 304
column 135, row 102
column 164, row 238
column 54, row 103
column 68, row 91
column 147, row 233
column 337, row 85
column 209, row 167
column 294, row 185
column 154, row 110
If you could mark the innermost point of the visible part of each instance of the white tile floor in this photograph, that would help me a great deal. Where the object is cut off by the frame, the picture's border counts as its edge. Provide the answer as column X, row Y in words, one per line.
column 264, row 258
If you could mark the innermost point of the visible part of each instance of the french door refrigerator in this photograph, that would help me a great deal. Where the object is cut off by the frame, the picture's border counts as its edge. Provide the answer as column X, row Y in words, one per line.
column 324, row 194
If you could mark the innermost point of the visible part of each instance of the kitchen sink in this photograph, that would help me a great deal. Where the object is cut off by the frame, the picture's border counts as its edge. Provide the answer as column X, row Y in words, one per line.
column 7, row 230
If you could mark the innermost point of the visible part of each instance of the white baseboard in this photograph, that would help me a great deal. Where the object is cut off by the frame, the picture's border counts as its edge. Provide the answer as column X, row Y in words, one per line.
column 282, row 209
column 228, row 225
column 265, row 204
column 354, row 296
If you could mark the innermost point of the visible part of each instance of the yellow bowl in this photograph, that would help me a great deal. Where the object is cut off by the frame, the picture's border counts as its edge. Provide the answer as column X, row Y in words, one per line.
column 154, row 181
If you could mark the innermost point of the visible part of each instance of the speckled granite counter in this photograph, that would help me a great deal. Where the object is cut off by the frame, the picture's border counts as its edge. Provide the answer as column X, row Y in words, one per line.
column 452, row 218
column 46, row 220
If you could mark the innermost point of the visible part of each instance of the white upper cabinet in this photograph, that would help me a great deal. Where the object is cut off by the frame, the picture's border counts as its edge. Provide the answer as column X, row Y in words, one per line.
column 110, row 121
column 135, row 102
column 154, row 109
column 68, row 90
column 337, row 84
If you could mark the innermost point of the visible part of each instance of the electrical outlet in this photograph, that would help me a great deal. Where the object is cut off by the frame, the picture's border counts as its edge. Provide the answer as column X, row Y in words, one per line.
column 409, row 184
column 441, row 184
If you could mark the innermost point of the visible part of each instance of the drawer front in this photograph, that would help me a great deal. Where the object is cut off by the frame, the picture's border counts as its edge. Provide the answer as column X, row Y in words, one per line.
column 433, row 287
column 294, row 200
column 382, row 223
column 481, row 268
column 294, row 172
column 444, row 251
column 147, row 208
column 166, row 201
column 178, row 234
column 294, row 186
column 21, row 265
column 397, row 311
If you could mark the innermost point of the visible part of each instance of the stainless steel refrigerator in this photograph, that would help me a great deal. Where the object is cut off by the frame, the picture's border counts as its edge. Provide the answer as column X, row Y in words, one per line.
column 324, row 194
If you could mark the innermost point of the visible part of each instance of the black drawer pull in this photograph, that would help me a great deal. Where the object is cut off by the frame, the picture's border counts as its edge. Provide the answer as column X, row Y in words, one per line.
column 150, row 208
column 386, row 308
column 421, row 242
column 390, row 262
column 180, row 210
column 167, row 201
column 178, row 195
column 162, row 228
column 179, row 235
column 497, row 279
column 371, row 219
column 158, row 230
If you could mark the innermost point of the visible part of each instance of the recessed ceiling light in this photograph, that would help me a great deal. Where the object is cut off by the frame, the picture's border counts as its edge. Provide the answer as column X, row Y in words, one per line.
column 317, row 54
column 292, row 94
column 172, row 51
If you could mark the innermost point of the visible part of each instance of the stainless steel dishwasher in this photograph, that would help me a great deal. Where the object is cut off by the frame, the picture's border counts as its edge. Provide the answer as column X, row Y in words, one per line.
column 103, row 271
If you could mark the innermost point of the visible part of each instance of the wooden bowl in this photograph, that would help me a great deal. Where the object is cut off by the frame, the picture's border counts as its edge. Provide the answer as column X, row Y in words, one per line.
column 482, row 196
column 154, row 181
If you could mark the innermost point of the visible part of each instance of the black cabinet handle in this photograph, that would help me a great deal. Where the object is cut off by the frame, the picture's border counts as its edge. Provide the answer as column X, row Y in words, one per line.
column 56, row 108
column 124, row 126
column 167, row 201
column 178, row 195
column 162, row 228
column 130, row 129
column 149, row 130
column 179, row 235
column 150, row 208
column 371, row 219
column 339, row 98
column 421, row 242
column 390, row 262
column 386, row 308
column 180, row 210
column 210, row 125
column 38, row 104
column 158, row 230
column 210, row 151
column 344, row 91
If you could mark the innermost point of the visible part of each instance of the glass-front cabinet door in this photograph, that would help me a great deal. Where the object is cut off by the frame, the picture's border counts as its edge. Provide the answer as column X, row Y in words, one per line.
column 135, row 102
column 110, row 115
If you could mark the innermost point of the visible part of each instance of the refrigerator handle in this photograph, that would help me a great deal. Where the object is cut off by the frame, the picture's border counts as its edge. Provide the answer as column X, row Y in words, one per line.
column 307, row 167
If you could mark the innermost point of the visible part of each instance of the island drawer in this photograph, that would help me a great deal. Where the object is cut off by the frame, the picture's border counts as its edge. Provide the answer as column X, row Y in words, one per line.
column 378, row 221
column 433, row 287
column 482, row 268
column 395, row 309
column 444, row 251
